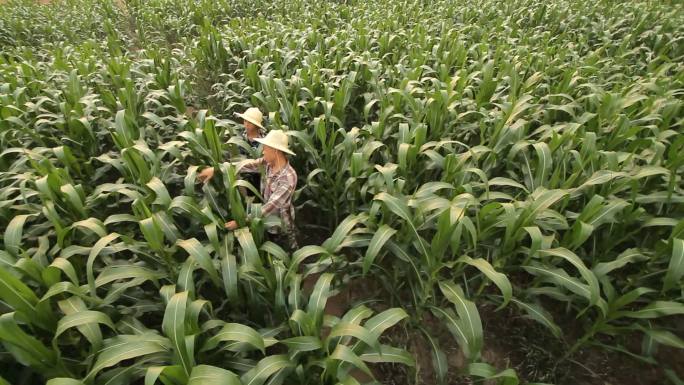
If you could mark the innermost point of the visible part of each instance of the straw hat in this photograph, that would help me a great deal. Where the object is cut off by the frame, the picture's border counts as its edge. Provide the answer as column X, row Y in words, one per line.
column 253, row 115
column 276, row 139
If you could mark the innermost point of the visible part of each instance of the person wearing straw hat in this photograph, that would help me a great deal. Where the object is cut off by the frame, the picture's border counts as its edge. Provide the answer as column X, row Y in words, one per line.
column 253, row 120
column 277, row 188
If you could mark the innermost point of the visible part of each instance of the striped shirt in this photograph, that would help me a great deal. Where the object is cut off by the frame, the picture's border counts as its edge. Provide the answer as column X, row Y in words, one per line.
column 277, row 188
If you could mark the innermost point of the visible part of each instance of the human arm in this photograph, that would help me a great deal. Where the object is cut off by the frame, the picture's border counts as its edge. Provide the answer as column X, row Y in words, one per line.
column 248, row 166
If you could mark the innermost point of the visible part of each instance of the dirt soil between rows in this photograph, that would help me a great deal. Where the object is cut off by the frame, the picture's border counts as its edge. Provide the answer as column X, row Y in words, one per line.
column 511, row 341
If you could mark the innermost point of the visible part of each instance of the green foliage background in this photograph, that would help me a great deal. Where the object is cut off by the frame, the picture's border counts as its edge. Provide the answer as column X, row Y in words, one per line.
column 523, row 154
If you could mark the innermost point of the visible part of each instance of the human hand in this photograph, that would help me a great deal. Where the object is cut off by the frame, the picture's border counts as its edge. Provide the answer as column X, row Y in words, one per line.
column 232, row 225
column 206, row 175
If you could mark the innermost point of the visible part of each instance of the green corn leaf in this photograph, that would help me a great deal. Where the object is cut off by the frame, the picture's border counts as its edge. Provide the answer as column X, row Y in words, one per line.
column 119, row 218
column 125, row 347
column 211, row 136
column 333, row 243
column 51, row 274
column 395, row 205
column 74, row 198
column 588, row 276
column 190, row 180
column 300, row 322
column 65, row 287
column 236, row 332
column 93, row 225
column 428, row 190
column 302, row 344
column 500, row 181
column 194, row 311
column 22, row 299
column 357, row 314
column 266, row 368
column 318, row 299
column 166, row 224
column 456, row 328
column 124, row 375
column 153, row 234
column 64, row 381
column 488, row 372
column 598, row 178
column 607, row 213
column 13, row 234
column 90, row 330
column 656, row 309
column 545, row 163
column 537, row 239
column 537, row 313
column 348, row 329
column 294, row 298
column 302, row 254
column 469, row 317
column 161, row 194
column 664, row 337
column 380, row 322
column 82, row 318
column 229, row 270
column 211, row 375
column 213, row 200
column 652, row 222
column 626, row 257
column 174, row 327
column 561, row 277
column 27, row 350
column 117, row 290
column 169, row 375
column 118, row 272
column 381, row 236
column 344, row 354
column 629, row 297
column 401, row 209
column 187, row 206
column 675, row 269
column 439, row 359
column 200, row 254
column 30, row 268
column 276, row 251
column 673, row 377
column 249, row 249
column 389, row 354
column 499, row 279
column 580, row 233
column 186, row 281
column 542, row 202
column 94, row 253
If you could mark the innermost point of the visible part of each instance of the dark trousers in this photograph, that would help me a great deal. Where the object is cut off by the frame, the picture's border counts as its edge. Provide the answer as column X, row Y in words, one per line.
column 288, row 241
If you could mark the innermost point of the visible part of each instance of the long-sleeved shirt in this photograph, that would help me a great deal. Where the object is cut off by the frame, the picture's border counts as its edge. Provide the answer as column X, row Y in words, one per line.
column 252, row 143
column 277, row 188
column 254, row 151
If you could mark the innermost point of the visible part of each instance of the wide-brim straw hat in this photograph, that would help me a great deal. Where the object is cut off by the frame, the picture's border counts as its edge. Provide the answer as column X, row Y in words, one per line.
column 253, row 115
column 276, row 139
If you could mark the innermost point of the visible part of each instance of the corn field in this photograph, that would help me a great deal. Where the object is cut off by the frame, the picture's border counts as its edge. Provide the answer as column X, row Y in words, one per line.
column 459, row 162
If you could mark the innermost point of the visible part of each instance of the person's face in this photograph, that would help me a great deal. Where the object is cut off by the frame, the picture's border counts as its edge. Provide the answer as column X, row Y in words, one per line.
column 252, row 129
column 270, row 154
